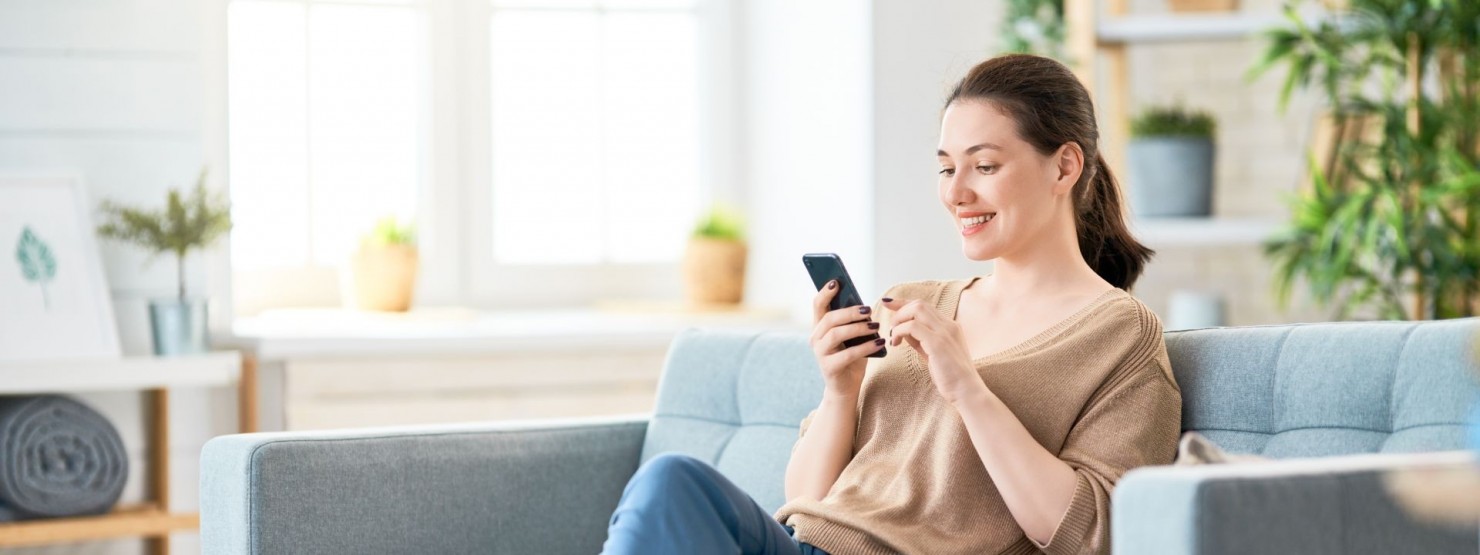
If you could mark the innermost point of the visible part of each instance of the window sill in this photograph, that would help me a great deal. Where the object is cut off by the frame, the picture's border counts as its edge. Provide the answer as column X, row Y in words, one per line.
column 337, row 333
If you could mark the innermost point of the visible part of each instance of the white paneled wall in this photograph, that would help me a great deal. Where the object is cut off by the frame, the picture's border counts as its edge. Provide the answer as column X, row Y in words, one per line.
column 115, row 90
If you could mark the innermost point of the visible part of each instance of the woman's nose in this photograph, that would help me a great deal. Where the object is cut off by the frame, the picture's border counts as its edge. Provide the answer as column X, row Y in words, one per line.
column 957, row 190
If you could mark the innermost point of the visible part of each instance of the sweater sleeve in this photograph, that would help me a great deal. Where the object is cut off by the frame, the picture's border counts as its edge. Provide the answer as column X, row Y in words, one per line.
column 1135, row 424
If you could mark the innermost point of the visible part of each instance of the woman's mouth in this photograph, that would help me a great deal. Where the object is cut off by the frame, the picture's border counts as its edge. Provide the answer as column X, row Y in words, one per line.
column 972, row 225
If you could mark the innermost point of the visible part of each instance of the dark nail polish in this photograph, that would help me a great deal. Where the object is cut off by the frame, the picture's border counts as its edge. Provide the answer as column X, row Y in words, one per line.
column 879, row 341
column 873, row 325
column 863, row 310
column 832, row 284
column 887, row 299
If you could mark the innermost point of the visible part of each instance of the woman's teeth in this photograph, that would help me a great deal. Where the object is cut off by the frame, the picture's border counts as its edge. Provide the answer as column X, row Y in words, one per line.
column 978, row 220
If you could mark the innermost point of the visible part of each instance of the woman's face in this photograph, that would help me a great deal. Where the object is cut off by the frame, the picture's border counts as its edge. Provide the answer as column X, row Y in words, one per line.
column 986, row 169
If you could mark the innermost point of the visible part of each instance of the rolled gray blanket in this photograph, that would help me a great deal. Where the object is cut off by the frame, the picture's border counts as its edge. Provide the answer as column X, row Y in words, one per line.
column 58, row 457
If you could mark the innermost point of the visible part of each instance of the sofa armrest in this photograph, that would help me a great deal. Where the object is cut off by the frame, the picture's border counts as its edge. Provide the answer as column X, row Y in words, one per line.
column 538, row 486
column 1316, row 506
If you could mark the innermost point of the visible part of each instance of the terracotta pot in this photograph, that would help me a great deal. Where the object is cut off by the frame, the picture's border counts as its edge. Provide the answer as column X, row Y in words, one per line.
column 383, row 278
column 714, row 271
column 1203, row 5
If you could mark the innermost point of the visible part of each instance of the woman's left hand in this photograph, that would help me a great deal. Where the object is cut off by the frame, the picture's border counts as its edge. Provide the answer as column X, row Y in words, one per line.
column 940, row 343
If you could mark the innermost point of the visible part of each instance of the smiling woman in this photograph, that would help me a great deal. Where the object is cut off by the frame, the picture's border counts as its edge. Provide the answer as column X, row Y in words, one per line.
column 1014, row 401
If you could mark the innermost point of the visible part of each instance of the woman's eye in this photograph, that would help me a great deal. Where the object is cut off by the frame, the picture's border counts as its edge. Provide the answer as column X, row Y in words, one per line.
column 948, row 171
column 987, row 169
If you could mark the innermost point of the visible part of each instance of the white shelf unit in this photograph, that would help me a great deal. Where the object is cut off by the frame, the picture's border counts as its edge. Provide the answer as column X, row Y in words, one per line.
column 1204, row 232
column 153, row 520
column 125, row 373
column 1179, row 27
column 1096, row 35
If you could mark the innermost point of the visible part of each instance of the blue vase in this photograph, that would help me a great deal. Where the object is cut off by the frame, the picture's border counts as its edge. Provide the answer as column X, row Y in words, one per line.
column 178, row 325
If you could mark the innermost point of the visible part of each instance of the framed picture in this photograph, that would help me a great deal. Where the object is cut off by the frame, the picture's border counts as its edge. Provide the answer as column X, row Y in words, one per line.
column 54, row 299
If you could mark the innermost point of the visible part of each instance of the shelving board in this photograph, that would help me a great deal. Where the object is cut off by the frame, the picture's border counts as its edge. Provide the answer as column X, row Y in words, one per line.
column 1178, row 27
column 1184, row 27
column 1203, row 232
column 222, row 368
column 122, row 522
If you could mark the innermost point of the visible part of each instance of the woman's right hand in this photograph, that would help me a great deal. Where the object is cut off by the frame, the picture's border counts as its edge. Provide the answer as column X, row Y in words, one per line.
column 842, row 368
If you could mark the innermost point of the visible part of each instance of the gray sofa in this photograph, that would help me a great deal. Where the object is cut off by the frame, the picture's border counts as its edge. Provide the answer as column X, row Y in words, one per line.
column 1373, row 390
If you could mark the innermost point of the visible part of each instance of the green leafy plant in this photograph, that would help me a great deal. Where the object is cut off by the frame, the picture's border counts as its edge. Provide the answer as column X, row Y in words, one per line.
column 1034, row 27
column 1173, row 121
column 37, row 263
column 391, row 231
column 721, row 223
column 184, row 224
column 1394, row 213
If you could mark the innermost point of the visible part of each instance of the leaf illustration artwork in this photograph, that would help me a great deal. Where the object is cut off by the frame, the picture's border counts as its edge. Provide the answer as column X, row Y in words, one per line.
column 37, row 264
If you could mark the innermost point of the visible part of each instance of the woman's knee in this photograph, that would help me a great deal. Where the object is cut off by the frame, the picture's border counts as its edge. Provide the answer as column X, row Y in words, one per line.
column 663, row 480
column 667, row 466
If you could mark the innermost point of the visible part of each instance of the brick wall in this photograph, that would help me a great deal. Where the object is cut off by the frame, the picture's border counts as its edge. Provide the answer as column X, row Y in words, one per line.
column 1260, row 158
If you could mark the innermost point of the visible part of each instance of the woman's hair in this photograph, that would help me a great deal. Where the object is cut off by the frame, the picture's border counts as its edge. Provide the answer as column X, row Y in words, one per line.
column 1052, row 108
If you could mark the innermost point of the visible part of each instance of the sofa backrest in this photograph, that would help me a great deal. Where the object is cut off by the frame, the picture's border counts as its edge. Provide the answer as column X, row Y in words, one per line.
column 1302, row 390
column 735, row 399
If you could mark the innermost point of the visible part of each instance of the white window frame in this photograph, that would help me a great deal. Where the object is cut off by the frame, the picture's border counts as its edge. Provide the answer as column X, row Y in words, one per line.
column 491, row 284
column 454, row 210
column 312, row 283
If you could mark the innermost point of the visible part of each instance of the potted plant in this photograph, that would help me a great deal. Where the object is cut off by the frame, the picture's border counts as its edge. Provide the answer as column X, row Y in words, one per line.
column 383, row 268
column 714, row 261
column 1170, row 162
column 1203, row 5
column 1391, row 223
column 178, row 324
column 1034, row 27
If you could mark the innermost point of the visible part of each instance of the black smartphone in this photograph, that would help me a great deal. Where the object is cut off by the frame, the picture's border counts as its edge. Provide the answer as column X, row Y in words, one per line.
column 825, row 267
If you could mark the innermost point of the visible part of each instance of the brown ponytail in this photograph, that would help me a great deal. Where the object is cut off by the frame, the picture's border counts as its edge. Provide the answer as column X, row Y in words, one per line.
column 1052, row 108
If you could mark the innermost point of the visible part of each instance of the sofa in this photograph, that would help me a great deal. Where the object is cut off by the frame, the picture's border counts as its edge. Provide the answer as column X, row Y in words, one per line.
column 1337, row 405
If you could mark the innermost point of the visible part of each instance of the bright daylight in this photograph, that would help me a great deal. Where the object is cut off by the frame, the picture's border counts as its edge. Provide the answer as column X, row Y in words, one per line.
column 757, row 277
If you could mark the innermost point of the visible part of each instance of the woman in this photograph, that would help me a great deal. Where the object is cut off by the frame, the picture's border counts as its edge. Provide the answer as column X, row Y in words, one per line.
column 1013, row 402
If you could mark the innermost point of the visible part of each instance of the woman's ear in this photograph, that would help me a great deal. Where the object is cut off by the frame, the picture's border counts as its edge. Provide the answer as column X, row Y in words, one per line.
column 1069, row 163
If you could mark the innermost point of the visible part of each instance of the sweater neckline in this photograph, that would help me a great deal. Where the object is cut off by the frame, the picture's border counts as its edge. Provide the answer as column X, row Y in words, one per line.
column 950, row 302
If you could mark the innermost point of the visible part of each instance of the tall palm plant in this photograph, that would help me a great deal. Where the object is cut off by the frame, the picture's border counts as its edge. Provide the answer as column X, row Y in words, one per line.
column 1392, row 221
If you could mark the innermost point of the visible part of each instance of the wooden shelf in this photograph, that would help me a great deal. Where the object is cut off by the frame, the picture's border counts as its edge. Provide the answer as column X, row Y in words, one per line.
column 1180, row 27
column 153, row 520
column 127, row 373
column 1203, row 232
column 123, row 522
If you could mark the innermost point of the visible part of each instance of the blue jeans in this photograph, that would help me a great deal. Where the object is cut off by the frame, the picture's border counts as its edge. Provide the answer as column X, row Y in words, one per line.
column 679, row 504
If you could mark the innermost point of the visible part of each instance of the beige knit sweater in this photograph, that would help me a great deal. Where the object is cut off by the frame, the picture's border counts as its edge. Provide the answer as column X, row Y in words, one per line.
column 1096, row 390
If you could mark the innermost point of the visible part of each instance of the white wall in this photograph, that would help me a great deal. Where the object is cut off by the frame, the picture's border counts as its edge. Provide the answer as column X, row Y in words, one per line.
column 842, row 107
column 920, row 50
column 807, row 145
column 116, row 91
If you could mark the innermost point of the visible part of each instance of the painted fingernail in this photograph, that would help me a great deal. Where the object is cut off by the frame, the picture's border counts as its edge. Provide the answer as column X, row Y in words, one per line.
column 887, row 299
column 879, row 341
column 863, row 310
column 873, row 325
column 832, row 284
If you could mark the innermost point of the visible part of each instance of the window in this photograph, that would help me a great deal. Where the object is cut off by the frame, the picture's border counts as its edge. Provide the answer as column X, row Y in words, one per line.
column 538, row 143
column 595, row 136
column 326, row 117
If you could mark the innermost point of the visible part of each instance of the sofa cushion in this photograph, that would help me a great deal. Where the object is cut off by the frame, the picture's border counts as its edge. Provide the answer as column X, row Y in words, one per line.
column 734, row 400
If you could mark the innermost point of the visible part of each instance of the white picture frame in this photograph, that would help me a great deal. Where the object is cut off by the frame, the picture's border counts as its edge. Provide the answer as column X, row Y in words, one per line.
column 54, row 297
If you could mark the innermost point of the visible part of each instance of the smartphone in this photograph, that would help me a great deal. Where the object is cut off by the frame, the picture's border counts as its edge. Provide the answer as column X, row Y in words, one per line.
column 825, row 267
